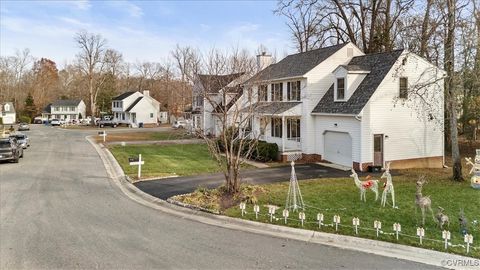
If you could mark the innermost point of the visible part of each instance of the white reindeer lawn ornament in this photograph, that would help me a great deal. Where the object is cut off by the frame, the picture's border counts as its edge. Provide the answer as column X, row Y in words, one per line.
column 364, row 185
column 423, row 202
column 388, row 188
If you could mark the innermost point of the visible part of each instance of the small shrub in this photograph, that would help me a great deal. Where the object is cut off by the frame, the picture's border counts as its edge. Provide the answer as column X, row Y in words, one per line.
column 266, row 151
column 24, row 118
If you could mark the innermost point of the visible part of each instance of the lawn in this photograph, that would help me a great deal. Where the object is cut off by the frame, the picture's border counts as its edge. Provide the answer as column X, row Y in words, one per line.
column 340, row 197
column 166, row 160
column 145, row 136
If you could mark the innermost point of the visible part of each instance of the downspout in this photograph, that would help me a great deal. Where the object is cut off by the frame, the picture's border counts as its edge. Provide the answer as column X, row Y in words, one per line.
column 359, row 119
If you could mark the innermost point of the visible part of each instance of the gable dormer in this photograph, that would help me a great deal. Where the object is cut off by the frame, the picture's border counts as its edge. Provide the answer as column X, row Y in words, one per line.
column 347, row 79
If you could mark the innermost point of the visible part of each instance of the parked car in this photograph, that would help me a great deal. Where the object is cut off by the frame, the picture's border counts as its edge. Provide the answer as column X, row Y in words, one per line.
column 23, row 127
column 55, row 122
column 107, row 123
column 37, row 120
column 10, row 150
column 22, row 139
column 62, row 121
column 179, row 124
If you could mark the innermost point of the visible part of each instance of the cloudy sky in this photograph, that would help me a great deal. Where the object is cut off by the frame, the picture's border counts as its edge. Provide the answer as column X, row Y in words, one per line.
column 141, row 30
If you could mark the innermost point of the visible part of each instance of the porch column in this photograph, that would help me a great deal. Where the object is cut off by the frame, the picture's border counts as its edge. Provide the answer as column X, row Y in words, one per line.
column 284, row 133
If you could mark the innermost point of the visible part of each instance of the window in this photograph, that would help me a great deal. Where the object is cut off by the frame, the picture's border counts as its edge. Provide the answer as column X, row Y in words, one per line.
column 276, row 127
column 74, row 117
column 293, row 129
column 151, row 115
column 262, row 92
column 403, row 88
column 293, row 91
column 277, row 91
column 263, row 125
column 340, row 88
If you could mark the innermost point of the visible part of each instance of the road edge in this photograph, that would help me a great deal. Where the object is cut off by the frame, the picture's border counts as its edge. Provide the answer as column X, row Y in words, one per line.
column 381, row 248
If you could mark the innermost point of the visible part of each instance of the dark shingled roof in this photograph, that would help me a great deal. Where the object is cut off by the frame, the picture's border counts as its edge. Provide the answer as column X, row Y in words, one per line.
column 213, row 83
column 379, row 64
column 124, row 95
column 133, row 104
column 48, row 108
column 66, row 102
column 296, row 65
column 274, row 107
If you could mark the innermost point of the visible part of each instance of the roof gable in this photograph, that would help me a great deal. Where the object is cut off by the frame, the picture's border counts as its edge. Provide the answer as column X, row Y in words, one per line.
column 124, row 95
column 379, row 64
column 7, row 107
column 296, row 65
column 66, row 102
column 134, row 104
column 214, row 83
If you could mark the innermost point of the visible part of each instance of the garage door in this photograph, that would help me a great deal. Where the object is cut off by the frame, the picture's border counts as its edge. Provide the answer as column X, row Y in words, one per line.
column 338, row 148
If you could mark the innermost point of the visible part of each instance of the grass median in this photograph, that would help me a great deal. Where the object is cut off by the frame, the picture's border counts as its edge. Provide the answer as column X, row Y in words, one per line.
column 145, row 136
column 166, row 160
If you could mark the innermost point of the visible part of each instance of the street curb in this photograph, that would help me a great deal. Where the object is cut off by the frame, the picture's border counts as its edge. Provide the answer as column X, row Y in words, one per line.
column 381, row 248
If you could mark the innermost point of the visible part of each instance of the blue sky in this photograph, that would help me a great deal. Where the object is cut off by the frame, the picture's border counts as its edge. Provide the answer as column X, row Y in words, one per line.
column 141, row 30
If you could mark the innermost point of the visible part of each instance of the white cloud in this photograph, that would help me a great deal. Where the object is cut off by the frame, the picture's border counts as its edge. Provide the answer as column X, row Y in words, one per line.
column 132, row 9
column 81, row 4
column 74, row 22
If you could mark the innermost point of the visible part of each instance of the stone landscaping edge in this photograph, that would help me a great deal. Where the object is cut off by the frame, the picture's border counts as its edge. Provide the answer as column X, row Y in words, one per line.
column 381, row 248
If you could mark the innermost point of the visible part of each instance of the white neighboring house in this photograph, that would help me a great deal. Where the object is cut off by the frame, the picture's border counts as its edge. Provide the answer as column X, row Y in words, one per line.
column 7, row 113
column 69, row 110
column 339, row 105
column 134, row 108
column 208, row 94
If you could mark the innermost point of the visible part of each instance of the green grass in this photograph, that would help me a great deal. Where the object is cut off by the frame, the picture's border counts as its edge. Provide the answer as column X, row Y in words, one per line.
column 341, row 197
column 166, row 160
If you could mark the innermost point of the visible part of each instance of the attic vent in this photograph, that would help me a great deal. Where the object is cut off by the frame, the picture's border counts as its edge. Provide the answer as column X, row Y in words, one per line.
column 404, row 61
column 349, row 52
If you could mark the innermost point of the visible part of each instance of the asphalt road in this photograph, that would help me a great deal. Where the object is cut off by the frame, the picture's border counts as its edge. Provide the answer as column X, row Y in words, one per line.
column 59, row 210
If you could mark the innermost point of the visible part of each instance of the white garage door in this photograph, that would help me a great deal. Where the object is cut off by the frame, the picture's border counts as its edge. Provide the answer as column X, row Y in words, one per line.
column 338, row 148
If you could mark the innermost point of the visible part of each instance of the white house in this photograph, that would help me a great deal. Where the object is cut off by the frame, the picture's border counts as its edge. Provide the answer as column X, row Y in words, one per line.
column 210, row 92
column 70, row 110
column 7, row 113
column 134, row 109
column 339, row 105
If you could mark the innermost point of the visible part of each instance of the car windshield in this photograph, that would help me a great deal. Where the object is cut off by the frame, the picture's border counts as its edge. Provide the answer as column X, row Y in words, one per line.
column 4, row 144
column 20, row 137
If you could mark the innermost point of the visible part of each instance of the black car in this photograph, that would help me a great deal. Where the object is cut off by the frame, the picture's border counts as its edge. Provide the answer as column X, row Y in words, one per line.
column 10, row 150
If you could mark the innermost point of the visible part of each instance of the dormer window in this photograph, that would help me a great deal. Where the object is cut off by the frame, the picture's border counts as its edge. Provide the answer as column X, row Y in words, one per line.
column 340, row 89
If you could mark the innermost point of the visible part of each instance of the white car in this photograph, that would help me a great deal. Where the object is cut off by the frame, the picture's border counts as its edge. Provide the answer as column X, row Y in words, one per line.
column 55, row 122
column 179, row 124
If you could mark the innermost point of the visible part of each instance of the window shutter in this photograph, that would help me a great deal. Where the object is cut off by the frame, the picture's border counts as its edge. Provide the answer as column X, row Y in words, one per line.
column 289, row 89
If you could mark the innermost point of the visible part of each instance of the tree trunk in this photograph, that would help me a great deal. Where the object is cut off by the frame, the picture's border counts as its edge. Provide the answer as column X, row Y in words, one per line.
column 452, row 102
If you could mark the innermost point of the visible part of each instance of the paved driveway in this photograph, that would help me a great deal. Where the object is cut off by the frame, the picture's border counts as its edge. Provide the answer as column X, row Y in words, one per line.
column 59, row 210
column 166, row 188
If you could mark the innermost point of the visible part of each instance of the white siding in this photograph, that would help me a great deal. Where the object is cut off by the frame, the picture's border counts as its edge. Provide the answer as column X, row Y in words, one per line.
column 347, row 124
column 319, row 79
column 410, row 134
column 143, row 110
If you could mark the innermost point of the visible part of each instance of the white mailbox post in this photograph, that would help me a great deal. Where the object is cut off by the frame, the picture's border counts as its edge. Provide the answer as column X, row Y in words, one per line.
column 256, row 209
column 320, row 220
column 377, row 225
column 468, row 238
column 102, row 134
column 137, row 162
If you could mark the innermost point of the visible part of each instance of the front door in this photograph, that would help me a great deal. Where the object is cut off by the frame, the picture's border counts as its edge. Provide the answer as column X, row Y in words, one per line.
column 134, row 118
column 378, row 150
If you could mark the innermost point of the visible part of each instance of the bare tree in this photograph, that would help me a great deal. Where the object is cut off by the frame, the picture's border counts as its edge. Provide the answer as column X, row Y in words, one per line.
column 91, row 63
column 233, row 108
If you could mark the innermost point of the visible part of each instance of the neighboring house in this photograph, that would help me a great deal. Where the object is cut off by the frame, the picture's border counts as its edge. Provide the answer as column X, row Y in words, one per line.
column 210, row 93
column 70, row 110
column 134, row 109
column 339, row 105
column 7, row 113
column 163, row 115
